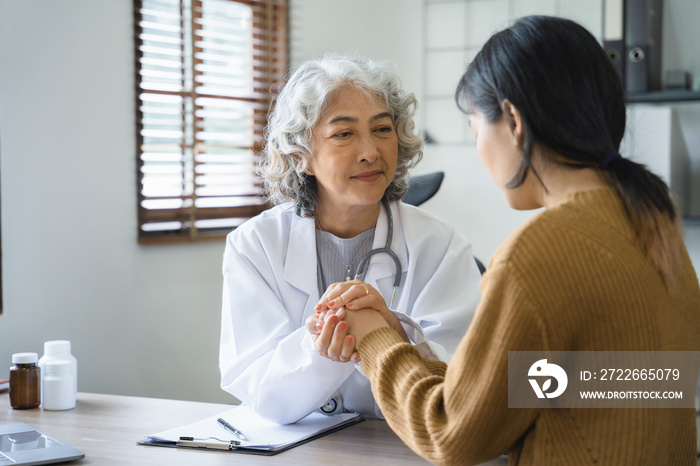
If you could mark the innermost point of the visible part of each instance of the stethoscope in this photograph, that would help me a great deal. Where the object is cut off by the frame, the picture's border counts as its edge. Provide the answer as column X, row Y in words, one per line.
column 335, row 404
column 364, row 262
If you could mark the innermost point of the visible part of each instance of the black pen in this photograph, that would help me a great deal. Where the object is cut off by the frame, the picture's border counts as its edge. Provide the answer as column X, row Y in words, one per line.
column 231, row 429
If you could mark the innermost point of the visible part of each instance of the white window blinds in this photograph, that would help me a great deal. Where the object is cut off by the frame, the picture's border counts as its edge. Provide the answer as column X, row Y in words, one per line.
column 205, row 68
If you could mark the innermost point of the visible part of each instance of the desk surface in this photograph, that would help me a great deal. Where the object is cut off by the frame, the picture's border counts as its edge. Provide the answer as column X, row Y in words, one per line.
column 107, row 427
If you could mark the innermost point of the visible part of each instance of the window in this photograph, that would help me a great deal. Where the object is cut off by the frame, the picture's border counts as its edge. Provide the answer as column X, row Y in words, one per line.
column 205, row 69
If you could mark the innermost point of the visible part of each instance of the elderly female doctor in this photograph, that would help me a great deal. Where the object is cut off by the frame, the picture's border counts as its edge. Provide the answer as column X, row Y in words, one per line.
column 339, row 144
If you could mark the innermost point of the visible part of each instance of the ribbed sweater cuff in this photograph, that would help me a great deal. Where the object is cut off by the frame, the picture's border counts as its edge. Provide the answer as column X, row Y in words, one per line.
column 374, row 345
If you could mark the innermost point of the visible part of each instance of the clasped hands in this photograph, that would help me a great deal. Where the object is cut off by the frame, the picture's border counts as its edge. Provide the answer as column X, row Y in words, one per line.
column 346, row 313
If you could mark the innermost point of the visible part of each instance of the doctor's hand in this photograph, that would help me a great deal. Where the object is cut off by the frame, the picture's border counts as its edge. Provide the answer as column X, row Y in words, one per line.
column 330, row 336
column 355, row 295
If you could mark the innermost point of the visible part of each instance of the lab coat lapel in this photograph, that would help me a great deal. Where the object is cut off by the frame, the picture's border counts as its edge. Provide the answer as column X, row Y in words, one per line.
column 300, row 263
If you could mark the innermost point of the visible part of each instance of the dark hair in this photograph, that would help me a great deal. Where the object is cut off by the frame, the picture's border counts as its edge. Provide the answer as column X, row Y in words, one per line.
column 571, row 103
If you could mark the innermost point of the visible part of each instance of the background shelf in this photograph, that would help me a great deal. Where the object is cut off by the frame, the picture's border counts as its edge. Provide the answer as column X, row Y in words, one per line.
column 668, row 95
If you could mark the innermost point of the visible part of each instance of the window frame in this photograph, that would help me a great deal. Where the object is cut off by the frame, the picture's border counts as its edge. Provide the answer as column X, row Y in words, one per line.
column 270, row 38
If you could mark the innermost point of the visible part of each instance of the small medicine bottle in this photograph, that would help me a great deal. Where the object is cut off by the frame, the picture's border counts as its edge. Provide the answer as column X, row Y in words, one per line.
column 59, row 375
column 25, row 376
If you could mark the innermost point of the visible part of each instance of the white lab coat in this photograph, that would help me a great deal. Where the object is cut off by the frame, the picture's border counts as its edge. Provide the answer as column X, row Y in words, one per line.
column 267, row 359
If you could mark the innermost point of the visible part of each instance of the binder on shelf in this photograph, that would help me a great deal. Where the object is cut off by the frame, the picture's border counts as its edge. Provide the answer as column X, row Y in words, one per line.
column 642, row 31
column 614, row 34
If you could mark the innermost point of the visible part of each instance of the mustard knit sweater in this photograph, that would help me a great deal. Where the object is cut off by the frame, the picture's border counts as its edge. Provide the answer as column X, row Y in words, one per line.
column 572, row 278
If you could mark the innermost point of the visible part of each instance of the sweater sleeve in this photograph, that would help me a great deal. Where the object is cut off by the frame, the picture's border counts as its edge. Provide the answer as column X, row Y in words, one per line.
column 461, row 417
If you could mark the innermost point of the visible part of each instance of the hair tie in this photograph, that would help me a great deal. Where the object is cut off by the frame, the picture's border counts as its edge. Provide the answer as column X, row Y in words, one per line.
column 609, row 158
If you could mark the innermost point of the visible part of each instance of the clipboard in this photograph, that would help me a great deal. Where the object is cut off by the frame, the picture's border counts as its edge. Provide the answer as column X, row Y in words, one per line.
column 264, row 437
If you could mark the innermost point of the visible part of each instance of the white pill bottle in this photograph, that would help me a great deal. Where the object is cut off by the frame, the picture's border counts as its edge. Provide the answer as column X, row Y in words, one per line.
column 59, row 376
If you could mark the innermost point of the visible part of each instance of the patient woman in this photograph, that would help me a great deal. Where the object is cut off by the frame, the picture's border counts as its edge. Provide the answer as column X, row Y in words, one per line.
column 339, row 143
column 602, row 268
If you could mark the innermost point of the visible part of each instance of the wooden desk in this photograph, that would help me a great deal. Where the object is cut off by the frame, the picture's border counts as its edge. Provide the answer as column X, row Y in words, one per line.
column 107, row 427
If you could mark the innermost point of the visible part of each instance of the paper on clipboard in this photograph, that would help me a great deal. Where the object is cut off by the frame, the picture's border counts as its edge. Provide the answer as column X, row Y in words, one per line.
column 264, row 437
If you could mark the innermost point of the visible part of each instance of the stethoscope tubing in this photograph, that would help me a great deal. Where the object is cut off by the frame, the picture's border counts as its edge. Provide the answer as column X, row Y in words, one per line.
column 364, row 262
column 335, row 404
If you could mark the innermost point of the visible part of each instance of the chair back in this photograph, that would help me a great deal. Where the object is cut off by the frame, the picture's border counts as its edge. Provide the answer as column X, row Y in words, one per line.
column 423, row 187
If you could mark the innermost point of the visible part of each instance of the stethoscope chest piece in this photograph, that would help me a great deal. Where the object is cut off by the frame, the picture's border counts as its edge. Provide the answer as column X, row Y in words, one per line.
column 333, row 406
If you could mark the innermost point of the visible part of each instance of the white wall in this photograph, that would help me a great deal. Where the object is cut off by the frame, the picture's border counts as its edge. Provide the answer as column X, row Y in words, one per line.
column 428, row 40
column 454, row 32
column 145, row 320
column 394, row 30
column 379, row 29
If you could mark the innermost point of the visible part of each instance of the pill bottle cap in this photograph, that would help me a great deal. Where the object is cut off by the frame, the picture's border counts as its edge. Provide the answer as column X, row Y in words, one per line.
column 58, row 367
column 57, row 347
column 24, row 358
